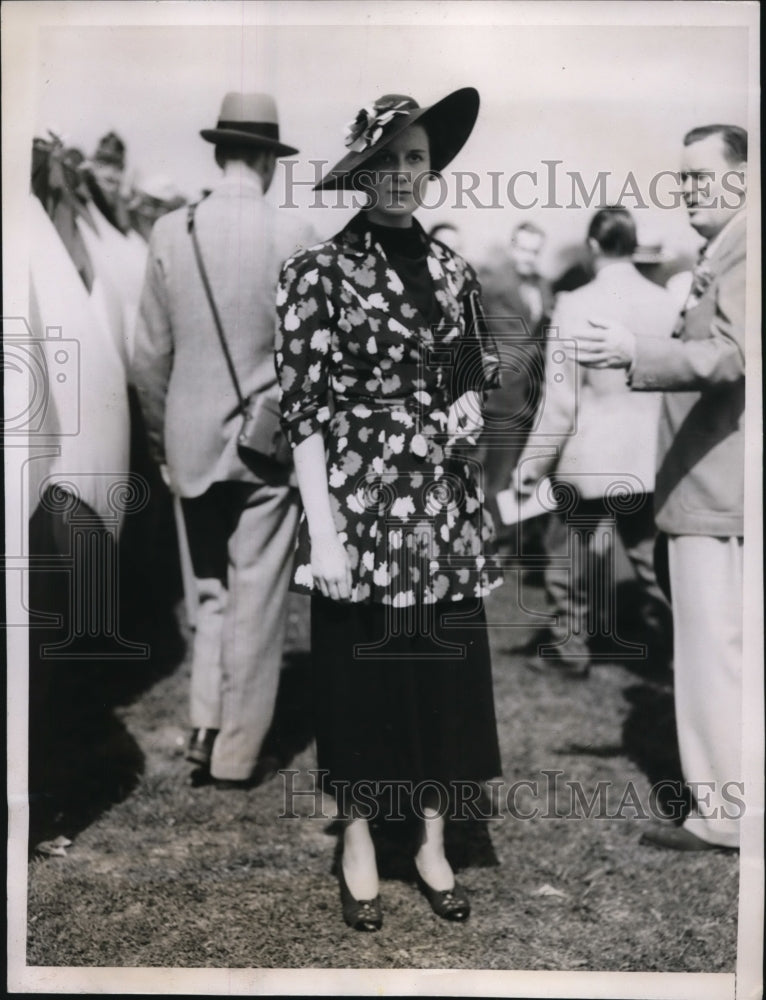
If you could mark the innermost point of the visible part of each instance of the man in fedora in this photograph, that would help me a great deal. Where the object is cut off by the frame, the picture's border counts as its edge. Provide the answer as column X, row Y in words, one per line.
column 240, row 518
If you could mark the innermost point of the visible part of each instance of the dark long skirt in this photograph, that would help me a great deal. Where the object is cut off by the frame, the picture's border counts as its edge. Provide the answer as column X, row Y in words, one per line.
column 403, row 697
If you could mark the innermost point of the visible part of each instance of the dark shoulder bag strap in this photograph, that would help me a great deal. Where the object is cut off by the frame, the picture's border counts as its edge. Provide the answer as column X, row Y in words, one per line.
column 213, row 308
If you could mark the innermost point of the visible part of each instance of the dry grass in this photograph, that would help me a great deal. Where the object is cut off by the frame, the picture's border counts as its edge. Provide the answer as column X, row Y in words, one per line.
column 164, row 874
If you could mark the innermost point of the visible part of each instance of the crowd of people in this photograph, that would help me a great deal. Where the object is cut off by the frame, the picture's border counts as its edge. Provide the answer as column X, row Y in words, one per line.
column 339, row 416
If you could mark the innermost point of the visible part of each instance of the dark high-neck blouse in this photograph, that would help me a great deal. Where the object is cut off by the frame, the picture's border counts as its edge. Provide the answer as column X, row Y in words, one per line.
column 407, row 252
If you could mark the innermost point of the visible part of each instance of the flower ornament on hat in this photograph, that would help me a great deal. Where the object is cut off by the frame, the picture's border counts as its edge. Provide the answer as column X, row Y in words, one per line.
column 365, row 130
column 448, row 124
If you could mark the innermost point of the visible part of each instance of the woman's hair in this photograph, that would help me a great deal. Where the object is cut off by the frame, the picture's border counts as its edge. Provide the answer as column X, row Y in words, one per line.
column 615, row 232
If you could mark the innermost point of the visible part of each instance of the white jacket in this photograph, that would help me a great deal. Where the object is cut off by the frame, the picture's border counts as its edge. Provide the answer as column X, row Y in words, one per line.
column 592, row 430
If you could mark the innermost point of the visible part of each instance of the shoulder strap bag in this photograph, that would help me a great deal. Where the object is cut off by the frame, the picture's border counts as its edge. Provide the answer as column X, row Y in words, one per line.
column 261, row 436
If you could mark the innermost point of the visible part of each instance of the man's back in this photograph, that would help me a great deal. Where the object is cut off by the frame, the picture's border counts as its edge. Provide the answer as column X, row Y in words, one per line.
column 243, row 241
column 617, row 292
column 601, row 427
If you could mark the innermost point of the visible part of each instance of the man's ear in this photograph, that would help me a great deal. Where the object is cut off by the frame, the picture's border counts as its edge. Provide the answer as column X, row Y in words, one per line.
column 735, row 183
column 266, row 165
column 742, row 169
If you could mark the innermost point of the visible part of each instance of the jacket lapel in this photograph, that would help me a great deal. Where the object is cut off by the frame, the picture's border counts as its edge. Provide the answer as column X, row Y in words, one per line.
column 357, row 241
column 732, row 243
column 446, row 292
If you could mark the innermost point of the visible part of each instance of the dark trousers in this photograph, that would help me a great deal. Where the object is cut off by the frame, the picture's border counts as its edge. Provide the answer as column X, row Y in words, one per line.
column 580, row 578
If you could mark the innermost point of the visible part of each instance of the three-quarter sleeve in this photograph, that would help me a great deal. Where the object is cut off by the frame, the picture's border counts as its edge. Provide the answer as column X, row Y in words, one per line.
column 302, row 348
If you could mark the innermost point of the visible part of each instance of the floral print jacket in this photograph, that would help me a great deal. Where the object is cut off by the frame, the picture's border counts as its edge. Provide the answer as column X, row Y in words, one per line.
column 358, row 363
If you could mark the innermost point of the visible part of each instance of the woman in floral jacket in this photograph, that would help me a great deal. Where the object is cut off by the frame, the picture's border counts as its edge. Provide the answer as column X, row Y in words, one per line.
column 382, row 377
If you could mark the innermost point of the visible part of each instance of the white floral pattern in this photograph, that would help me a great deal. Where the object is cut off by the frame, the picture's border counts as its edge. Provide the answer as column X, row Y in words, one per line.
column 377, row 382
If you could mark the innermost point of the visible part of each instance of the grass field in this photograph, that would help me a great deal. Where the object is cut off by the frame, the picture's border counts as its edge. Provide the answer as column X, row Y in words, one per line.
column 161, row 873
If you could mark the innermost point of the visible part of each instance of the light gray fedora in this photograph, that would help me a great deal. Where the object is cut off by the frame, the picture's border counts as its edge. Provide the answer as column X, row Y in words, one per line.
column 248, row 119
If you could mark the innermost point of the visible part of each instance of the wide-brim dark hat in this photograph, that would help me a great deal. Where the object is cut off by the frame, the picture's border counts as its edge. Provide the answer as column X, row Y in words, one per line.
column 448, row 123
column 250, row 120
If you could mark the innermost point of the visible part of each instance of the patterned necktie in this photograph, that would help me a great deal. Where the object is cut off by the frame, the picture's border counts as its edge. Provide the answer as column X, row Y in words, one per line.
column 701, row 278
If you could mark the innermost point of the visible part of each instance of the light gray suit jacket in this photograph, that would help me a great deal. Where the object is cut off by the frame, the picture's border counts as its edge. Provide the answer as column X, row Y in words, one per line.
column 594, row 430
column 700, row 476
column 186, row 393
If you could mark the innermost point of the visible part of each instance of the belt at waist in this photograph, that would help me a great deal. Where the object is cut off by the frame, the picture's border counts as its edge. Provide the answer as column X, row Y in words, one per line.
column 436, row 402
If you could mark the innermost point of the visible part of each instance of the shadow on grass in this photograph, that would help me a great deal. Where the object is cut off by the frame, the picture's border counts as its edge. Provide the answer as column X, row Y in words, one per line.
column 640, row 622
column 292, row 728
column 111, row 633
column 650, row 739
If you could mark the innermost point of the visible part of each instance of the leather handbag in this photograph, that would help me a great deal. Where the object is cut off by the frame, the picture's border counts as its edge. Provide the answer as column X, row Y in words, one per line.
column 477, row 328
column 260, row 436
column 262, row 432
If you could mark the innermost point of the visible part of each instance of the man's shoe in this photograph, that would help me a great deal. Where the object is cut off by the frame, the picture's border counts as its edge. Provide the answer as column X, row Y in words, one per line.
column 265, row 769
column 200, row 747
column 678, row 838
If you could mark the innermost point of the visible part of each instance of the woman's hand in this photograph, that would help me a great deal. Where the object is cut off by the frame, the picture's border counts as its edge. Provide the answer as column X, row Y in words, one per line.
column 464, row 419
column 330, row 566
column 329, row 562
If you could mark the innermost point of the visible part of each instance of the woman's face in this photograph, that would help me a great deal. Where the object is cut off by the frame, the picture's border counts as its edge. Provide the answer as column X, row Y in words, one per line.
column 394, row 178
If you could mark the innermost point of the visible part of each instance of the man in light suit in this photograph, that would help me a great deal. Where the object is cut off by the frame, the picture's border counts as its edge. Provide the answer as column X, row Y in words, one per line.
column 517, row 302
column 699, row 495
column 240, row 519
column 600, row 439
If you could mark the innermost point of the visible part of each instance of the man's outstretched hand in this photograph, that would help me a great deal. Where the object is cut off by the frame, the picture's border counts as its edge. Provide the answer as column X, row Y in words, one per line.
column 605, row 344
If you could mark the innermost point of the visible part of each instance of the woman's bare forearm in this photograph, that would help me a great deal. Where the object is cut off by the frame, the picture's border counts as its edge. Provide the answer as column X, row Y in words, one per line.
column 311, row 473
